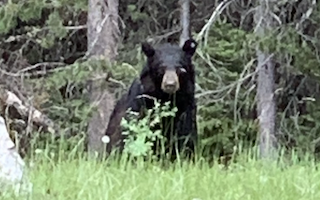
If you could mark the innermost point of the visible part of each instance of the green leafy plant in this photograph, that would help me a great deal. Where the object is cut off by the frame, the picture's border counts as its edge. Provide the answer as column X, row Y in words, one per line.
column 140, row 132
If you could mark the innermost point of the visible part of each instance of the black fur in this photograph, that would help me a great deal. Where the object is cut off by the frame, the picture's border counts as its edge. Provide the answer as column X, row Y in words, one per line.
column 159, row 60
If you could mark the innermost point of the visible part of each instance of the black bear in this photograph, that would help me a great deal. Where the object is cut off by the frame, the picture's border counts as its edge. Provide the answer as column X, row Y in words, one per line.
column 168, row 75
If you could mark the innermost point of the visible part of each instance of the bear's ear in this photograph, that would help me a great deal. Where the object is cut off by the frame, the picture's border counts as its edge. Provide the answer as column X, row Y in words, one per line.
column 147, row 49
column 190, row 46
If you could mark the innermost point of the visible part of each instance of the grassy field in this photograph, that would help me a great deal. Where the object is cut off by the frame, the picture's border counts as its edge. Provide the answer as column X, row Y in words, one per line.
column 74, row 179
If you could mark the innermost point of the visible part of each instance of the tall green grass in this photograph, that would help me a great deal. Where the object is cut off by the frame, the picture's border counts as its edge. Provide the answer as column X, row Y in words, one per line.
column 89, row 179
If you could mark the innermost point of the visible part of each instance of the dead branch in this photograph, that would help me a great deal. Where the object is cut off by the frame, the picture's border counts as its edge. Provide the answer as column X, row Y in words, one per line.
column 306, row 15
column 205, row 29
column 8, row 98
column 26, row 71
column 75, row 27
column 168, row 33
column 59, row 67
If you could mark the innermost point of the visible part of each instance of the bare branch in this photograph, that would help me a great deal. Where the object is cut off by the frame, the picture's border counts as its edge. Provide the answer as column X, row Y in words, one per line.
column 10, row 99
column 75, row 27
column 162, row 36
column 307, row 14
column 44, row 65
column 205, row 29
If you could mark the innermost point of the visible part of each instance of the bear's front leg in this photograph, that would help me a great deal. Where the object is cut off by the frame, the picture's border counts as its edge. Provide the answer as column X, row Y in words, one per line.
column 187, row 131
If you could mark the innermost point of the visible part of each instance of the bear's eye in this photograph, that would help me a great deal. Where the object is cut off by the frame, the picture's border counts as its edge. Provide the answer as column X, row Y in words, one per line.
column 182, row 70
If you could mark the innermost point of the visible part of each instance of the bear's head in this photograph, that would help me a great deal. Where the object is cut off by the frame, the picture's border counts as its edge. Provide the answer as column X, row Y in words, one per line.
column 167, row 65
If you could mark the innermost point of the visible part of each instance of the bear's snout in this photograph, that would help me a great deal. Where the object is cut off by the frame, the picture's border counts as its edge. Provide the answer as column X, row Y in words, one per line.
column 170, row 82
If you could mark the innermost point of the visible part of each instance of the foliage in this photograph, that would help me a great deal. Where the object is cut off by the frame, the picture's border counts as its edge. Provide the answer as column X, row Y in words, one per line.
column 225, row 102
column 36, row 32
column 142, row 133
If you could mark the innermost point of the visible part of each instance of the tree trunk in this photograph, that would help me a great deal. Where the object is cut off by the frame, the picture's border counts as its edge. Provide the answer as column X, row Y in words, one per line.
column 11, row 164
column 184, row 21
column 265, row 90
column 103, row 35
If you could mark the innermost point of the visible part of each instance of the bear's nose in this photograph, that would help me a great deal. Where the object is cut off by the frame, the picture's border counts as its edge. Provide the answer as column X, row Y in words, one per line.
column 170, row 82
column 170, row 87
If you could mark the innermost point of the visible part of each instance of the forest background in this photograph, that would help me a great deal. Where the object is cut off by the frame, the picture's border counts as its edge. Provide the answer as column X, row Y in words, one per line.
column 46, row 62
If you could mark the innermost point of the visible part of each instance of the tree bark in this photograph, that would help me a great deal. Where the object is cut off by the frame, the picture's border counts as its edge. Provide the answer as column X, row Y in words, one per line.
column 103, row 35
column 184, row 21
column 265, row 84
column 11, row 164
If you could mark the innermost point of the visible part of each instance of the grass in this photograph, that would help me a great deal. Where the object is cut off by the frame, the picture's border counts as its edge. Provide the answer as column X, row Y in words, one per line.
column 95, row 180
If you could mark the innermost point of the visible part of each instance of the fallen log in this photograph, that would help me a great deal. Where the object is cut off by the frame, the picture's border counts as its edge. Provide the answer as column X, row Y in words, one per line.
column 8, row 98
